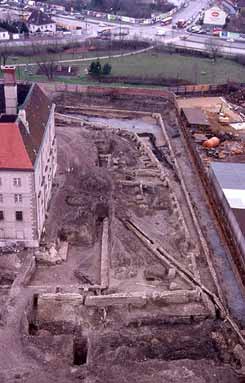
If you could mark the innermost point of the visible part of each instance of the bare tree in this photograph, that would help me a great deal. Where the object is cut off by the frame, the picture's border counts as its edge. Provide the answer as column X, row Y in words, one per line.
column 170, row 47
column 195, row 71
column 4, row 54
column 46, row 61
column 212, row 47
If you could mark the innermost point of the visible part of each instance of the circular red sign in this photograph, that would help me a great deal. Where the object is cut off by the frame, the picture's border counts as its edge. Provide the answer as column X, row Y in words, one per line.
column 215, row 13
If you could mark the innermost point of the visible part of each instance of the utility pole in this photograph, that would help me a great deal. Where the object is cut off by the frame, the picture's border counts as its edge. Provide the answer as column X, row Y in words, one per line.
column 120, row 30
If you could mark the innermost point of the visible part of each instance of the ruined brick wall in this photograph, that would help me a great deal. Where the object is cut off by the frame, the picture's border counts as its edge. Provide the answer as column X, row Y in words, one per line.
column 191, row 90
column 104, row 91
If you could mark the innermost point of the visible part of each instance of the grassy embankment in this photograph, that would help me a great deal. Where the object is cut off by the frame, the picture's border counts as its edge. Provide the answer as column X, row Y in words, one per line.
column 147, row 65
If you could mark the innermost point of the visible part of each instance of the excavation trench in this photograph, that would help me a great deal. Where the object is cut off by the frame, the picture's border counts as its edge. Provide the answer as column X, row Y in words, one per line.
column 176, row 339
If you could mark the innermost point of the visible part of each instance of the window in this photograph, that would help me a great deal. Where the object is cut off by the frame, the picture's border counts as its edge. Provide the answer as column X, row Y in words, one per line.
column 0, row 181
column 1, row 215
column 19, row 215
column 17, row 198
column 1, row 198
column 17, row 181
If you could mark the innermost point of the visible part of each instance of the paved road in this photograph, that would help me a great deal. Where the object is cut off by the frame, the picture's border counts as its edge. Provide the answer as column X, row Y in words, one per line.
column 195, row 41
column 191, row 11
column 229, row 49
column 148, row 32
column 221, row 42
column 91, row 27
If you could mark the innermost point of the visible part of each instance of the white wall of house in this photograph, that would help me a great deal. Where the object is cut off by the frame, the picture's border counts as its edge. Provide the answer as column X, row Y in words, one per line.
column 45, row 169
column 4, row 35
column 42, row 28
column 16, row 195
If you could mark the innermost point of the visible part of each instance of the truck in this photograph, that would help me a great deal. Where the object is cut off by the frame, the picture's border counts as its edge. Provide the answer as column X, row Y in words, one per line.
column 167, row 21
column 104, row 32
column 108, row 33
column 181, row 23
column 120, row 31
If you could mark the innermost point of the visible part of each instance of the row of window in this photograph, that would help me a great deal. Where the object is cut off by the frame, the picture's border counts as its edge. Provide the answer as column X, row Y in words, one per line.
column 16, row 181
column 17, row 198
column 18, row 215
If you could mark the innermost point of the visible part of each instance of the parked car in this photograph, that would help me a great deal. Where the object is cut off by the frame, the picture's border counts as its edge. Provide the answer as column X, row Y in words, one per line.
column 216, row 31
column 160, row 33
column 195, row 29
column 201, row 32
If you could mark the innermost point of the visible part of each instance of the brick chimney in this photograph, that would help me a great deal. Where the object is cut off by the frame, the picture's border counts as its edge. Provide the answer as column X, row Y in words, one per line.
column 10, row 89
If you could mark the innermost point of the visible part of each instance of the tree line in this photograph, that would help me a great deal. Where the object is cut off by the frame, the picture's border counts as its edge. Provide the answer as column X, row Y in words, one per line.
column 96, row 69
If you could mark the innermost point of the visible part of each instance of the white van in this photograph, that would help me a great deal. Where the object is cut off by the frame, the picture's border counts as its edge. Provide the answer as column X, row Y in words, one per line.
column 160, row 32
column 196, row 28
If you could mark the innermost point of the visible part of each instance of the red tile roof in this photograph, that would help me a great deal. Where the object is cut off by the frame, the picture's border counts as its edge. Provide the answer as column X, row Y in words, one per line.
column 13, row 154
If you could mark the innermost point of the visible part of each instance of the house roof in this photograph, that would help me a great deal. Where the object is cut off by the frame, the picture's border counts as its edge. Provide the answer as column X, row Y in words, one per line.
column 230, row 175
column 3, row 30
column 38, row 17
column 13, row 154
column 37, row 107
column 195, row 116
column 231, row 179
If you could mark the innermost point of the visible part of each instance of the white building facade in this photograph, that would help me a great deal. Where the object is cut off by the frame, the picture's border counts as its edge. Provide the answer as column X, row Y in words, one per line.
column 4, row 35
column 215, row 16
column 33, row 28
column 44, row 172
column 28, row 161
column 16, row 206
column 41, row 22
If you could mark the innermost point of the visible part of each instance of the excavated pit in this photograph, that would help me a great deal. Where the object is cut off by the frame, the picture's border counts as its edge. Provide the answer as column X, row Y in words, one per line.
column 134, row 298
column 95, row 342
column 80, row 351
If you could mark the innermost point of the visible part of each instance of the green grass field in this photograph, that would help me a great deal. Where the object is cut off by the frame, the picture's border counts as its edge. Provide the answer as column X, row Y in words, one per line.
column 155, row 65
column 194, row 69
column 60, row 56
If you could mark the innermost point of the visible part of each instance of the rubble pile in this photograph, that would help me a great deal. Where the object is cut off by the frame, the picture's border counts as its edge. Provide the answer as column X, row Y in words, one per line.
column 237, row 97
column 229, row 146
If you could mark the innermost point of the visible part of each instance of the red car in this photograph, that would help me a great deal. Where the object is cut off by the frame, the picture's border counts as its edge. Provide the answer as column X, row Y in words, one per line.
column 216, row 31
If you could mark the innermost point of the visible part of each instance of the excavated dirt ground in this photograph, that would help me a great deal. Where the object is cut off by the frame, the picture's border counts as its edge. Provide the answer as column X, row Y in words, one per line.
column 104, row 173
column 93, row 190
